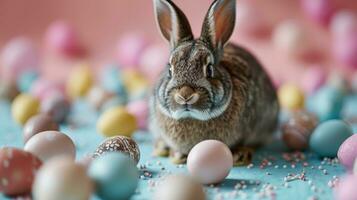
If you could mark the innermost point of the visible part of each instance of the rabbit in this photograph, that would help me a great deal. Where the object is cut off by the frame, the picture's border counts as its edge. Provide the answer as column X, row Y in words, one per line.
column 210, row 88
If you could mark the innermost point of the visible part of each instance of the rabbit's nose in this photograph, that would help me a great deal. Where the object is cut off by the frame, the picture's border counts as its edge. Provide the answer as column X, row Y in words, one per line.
column 186, row 95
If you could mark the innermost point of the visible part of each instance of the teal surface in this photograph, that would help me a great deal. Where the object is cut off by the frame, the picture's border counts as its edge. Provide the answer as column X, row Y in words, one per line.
column 271, row 179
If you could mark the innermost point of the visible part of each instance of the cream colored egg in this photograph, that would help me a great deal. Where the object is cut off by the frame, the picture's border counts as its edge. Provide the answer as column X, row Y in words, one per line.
column 116, row 121
column 24, row 107
column 135, row 82
column 61, row 179
column 291, row 97
column 49, row 144
column 79, row 81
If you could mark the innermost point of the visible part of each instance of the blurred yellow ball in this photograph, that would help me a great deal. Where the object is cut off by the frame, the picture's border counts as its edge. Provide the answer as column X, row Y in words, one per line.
column 79, row 81
column 134, row 81
column 24, row 107
column 291, row 97
column 116, row 121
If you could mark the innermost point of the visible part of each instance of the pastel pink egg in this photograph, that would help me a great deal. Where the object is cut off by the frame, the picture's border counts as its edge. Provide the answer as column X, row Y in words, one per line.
column 346, row 189
column 153, row 61
column 61, row 37
column 129, row 49
column 313, row 78
column 43, row 88
column 210, row 161
column 320, row 11
column 17, row 56
column 347, row 153
column 344, row 24
column 345, row 51
column 140, row 110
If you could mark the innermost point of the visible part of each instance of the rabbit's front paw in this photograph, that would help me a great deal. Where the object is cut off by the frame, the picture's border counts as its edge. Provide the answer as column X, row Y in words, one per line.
column 177, row 157
column 161, row 149
column 242, row 156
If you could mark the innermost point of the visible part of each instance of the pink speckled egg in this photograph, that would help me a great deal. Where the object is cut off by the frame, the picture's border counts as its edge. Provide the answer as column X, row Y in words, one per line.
column 62, row 38
column 43, row 88
column 49, row 144
column 344, row 24
column 313, row 78
column 17, row 56
column 345, row 51
column 153, row 61
column 210, row 161
column 320, row 11
column 346, row 189
column 140, row 110
column 130, row 48
column 17, row 171
column 347, row 152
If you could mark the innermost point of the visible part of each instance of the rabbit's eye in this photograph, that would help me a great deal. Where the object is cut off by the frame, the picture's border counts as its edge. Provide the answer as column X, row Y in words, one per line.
column 209, row 71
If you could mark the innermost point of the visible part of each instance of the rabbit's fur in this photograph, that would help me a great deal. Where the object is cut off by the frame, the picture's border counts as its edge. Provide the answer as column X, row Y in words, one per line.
column 210, row 89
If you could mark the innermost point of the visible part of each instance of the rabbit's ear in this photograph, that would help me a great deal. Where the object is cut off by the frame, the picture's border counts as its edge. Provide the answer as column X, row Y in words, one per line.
column 219, row 23
column 172, row 21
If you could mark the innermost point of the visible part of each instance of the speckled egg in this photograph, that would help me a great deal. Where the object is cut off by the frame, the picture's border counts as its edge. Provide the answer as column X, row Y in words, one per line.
column 297, row 130
column 122, row 144
column 97, row 96
column 80, row 81
column 140, row 110
column 347, row 152
column 8, row 90
column 24, row 107
column 49, row 144
column 26, row 80
column 60, row 179
column 291, row 97
column 37, row 124
column 116, row 121
column 179, row 187
column 210, row 161
column 115, row 175
column 56, row 106
column 346, row 188
column 17, row 171
column 328, row 137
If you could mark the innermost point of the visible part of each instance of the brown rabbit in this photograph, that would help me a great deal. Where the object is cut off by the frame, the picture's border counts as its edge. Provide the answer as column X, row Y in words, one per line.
column 210, row 89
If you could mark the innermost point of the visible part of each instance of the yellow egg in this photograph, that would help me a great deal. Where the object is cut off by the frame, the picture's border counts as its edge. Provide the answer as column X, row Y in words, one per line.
column 134, row 81
column 291, row 97
column 79, row 81
column 116, row 121
column 24, row 107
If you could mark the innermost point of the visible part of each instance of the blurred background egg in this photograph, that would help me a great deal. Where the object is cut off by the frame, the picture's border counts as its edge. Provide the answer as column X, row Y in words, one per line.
column 153, row 61
column 97, row 96
column 56, row 106
column 346, row 188
column 291, row 97
column 140, row 109
column 319, row 11
column 26, row 80
column 37, row 124
column 313, row 78
column 24, row 107
column 80, row 81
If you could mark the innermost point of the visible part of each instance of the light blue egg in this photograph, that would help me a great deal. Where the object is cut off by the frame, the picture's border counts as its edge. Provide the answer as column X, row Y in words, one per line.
column 328, row 137
column 349, row 110
column 111, row 81
column 327, row 103
column 113, row 102
column 26, row 79
column 115, row 175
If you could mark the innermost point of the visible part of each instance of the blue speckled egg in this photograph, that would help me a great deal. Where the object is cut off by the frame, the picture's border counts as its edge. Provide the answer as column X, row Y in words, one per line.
column 26, row 80
column 112, row 81
column 327, row 103
column 115, row 175
column 328, row 137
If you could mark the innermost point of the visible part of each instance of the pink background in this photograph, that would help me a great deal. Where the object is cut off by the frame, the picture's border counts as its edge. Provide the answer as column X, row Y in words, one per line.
column 100, row 24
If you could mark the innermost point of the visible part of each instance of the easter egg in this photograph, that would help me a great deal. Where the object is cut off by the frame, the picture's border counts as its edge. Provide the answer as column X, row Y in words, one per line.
column 297, row 130
column 113, row 102
column 24, row 107
column 62, row 38
column 347, row 152
column 26, row 79
column 345, row 50
column 17, row 171
column 327, row 103
column 18, row 55
column 37, row 124
column 343, row 24
column 346, row 188
column 355, row 167
column 49, row 144
column 116, row 121
column 121, row 144
column 140, row 110
column 115, row 176
column 8, row 90
column 349, row 110
column 97, row 96
column 290, row 37
column 313, row 78
column 153, row 61
column 60, row 179
column 291, row 97
column 129, row 49
column 80, row 81
column 179, row 187
column 111, row 80
column 56, row 106
column 136, row 84
column 43, row 88
column 328, row 137
column 210, row 161
column 320, row 11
